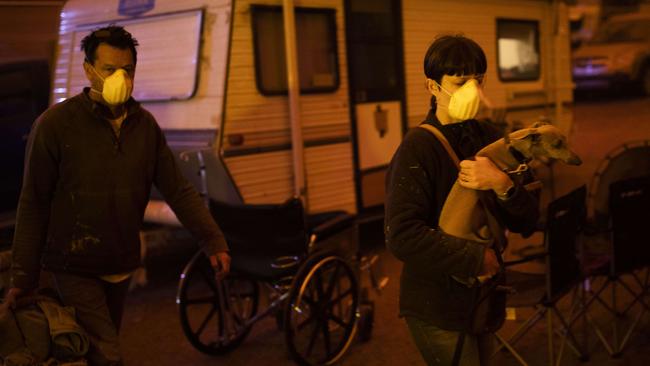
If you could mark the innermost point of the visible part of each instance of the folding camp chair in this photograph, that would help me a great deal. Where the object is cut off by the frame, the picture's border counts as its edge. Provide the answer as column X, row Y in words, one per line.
column 629, row 254
column 542, row 292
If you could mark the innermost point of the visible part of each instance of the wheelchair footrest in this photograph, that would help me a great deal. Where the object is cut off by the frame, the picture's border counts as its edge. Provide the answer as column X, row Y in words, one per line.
column 377, row 278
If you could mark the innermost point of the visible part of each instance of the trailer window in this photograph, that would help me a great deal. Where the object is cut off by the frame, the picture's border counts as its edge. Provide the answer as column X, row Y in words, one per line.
column 167, row 56
column 316, row 49
column 518, row 49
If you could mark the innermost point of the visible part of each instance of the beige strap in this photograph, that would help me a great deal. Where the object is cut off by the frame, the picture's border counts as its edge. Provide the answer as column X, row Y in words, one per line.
column 443, row 140
column 493, row 223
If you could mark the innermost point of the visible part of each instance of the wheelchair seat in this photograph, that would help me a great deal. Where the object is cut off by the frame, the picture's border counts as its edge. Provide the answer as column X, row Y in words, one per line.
column 267, row 240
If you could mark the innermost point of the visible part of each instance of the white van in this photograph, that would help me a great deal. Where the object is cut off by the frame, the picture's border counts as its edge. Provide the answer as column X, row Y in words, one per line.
column 214, row 74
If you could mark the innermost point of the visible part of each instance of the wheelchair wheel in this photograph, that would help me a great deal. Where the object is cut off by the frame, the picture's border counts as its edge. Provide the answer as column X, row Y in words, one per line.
column 213, row 315
column 321, row 312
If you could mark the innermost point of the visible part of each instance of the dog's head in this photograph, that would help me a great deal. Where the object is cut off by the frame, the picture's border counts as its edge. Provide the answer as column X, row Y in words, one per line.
column 543, row 141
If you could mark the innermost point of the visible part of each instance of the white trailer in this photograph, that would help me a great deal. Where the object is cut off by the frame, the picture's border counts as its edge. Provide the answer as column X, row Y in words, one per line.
column 215, row 74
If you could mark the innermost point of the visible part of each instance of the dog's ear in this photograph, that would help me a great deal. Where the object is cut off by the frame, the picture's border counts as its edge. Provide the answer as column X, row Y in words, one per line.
column 506, row 137
column 525, row 141
column 534, row 137
column 541, row 122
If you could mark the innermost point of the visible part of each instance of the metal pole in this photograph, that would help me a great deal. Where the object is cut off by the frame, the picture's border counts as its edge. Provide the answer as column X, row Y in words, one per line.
column 293, row 85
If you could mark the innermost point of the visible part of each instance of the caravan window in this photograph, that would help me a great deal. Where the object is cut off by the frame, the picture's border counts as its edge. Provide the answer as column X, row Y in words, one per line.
column 167, row 56
column 316, row 49
column 518, row 49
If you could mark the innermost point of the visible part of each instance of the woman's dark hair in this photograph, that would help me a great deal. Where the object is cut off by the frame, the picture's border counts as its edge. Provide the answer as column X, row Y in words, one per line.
column 112, row 35
column 453, row 55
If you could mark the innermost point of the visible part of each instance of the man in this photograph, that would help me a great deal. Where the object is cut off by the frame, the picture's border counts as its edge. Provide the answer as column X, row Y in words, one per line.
column 90, row 164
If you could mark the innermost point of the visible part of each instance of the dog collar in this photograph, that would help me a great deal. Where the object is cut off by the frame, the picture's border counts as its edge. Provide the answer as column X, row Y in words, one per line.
column 519, row 156
column 520, row 169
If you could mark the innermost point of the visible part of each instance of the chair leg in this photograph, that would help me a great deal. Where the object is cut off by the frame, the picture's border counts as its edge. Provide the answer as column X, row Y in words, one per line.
column 630, row 330
column 583, row 311
column 549, row 337
column 615, row 321
column 595, row 296
column 508, row 346
column 568, row 334
column 638, row 296
column 523, row 329
column 565, row 333
column 600, row 335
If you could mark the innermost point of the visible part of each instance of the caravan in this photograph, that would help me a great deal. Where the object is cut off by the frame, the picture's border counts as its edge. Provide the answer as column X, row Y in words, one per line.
column 315, row 107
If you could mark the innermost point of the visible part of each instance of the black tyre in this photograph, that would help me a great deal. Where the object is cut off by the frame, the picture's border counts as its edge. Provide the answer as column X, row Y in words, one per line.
column 321, row 312
column 366, row 320
column 211, row 325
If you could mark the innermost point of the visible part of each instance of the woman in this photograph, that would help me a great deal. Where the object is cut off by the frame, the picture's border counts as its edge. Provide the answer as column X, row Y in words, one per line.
column 434, row 303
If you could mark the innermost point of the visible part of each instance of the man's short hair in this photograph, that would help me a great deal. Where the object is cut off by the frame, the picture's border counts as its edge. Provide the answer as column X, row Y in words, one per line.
column 112, row 35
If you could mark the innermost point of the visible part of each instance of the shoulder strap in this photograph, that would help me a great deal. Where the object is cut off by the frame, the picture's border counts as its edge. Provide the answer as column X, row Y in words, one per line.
column 493, row 223
column 443, row 140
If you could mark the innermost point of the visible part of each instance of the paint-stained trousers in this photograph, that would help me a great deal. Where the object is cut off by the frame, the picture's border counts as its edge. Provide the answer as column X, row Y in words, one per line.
column 437, row 345
column 99, row 306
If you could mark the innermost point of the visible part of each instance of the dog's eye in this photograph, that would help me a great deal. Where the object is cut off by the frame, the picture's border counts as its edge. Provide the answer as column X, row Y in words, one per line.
column 557, row 144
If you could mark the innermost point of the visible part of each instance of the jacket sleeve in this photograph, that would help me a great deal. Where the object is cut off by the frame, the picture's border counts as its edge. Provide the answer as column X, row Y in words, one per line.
column 185, row 201
column 520, row 212
column 412, row 192
column 33, row 214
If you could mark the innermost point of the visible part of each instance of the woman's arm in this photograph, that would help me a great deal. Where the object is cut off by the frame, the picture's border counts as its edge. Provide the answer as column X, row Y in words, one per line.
column 413, row 189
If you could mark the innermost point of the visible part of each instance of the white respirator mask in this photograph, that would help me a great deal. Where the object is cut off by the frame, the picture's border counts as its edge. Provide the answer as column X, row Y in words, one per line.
column 117, row 87
column 464, row 102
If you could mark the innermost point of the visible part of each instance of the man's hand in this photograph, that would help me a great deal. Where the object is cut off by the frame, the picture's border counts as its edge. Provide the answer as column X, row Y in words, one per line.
column 481, row 174
column 221, row 264
column 490, row 264
column 12, row 295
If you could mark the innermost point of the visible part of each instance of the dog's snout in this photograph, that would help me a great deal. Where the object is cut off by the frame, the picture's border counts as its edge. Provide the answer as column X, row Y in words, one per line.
column 574, row 160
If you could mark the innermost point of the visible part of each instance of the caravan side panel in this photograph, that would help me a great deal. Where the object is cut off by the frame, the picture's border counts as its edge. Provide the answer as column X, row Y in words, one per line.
column 201, row 111
column 257, row 136
column 476, row 19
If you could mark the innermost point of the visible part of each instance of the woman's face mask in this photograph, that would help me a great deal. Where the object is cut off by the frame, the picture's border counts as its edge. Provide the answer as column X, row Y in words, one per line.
column 116, row 88
column 464, row 102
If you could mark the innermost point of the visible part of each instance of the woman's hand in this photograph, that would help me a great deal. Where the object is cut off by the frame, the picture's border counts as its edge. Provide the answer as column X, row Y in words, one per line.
column 481, row 174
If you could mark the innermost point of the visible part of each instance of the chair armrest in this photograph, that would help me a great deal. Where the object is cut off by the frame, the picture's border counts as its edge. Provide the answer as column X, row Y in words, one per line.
column 333, row 226
column 525, row 259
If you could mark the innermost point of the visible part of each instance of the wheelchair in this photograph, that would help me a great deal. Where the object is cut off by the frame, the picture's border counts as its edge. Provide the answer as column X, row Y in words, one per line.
column 309, row 265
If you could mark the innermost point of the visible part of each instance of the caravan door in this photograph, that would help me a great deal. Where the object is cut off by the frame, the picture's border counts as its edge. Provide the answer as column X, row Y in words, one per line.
column 375, row 68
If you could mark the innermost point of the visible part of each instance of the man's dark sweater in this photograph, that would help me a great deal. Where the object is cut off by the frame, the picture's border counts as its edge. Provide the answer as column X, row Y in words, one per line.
column 85, row 191
column 418, row 181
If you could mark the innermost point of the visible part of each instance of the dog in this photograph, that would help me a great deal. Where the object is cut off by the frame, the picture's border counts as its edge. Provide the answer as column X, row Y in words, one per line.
column 463, row 214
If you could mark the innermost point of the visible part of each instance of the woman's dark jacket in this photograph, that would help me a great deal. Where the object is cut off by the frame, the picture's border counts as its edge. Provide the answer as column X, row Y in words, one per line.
column 418, row 181
column 85, row 191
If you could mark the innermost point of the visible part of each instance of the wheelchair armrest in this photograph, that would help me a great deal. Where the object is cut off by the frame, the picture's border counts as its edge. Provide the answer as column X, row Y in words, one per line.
column 333, row 226
column 525, row 259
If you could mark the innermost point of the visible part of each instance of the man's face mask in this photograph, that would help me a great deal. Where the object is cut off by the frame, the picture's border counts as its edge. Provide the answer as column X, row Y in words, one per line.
column 464, row 102
column 116, row 88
